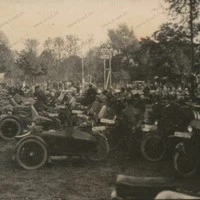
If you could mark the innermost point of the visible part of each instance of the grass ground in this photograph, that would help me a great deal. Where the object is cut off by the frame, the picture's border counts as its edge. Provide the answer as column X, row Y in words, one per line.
column 74, row 179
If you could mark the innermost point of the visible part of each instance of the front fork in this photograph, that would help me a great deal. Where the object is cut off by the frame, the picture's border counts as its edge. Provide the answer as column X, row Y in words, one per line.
column 189, row 149
column 180, row 147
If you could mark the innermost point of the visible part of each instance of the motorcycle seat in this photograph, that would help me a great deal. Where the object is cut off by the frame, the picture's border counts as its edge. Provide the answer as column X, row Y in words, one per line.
column 142, row 187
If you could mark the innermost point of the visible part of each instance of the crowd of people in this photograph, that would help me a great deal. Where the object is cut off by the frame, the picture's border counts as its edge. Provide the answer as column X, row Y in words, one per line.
column 129, row 101
column 48, row 95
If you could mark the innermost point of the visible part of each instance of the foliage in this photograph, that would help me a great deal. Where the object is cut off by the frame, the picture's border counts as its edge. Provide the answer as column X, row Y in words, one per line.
column 125, row 45
column 28, row 61
column 166, row 53
column 6, row 55
column 182, row 7
column 71, row 68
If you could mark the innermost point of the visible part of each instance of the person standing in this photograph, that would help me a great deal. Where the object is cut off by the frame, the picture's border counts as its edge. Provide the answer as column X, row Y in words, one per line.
column 90, row 95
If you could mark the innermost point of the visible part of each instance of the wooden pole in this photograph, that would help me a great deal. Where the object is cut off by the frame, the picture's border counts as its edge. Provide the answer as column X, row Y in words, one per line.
column 104, row 64
column 191, row 34
column 82, row 63
column 110, row 67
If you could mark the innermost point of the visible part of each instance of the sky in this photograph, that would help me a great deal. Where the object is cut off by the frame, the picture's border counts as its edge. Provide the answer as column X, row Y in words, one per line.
column 40, row 19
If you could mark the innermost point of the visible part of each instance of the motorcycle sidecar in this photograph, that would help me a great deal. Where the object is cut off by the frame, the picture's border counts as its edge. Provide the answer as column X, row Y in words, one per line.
column 34, row 150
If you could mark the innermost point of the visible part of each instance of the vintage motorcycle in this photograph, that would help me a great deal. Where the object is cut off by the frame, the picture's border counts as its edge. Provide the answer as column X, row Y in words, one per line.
column 35, row 148
column 174, row 117
column 15, row 122
column 186, row 159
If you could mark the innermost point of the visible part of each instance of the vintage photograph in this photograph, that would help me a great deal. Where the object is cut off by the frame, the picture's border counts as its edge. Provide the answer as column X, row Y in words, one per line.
column 99, row 99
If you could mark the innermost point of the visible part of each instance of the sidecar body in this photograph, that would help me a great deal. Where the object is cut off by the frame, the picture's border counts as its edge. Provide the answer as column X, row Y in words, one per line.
column 33, row 150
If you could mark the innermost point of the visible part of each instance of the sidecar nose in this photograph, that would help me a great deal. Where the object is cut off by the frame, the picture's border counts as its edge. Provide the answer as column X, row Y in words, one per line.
column 18, row 137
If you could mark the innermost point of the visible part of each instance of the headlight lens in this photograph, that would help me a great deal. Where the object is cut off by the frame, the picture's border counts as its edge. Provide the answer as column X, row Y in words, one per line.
column 156, row 122
column 190, row 129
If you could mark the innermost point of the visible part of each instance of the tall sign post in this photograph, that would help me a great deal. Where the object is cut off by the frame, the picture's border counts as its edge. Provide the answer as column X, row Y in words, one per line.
column 82, row 66
column 110, row 66
column 106, row 55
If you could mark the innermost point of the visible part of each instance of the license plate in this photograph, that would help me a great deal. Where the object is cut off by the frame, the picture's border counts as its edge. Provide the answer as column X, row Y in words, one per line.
column 98, row 128
column 53, row 115
column 82, row 116
column 77, row 111
column 182, row 135
column 107, row 121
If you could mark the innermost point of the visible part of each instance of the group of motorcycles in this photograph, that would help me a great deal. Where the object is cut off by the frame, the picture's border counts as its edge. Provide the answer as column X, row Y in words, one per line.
column 172, row 130
column 41, row 138
column 177, row 136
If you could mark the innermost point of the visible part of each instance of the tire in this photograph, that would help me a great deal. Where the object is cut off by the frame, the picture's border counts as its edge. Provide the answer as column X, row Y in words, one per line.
column 184, row 167
column 10, row 127
column 101, row 150
column 153, row 148
column 31, row 154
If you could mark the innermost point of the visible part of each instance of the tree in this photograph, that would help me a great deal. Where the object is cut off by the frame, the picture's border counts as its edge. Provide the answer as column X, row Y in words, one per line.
column 123, row 40
column 189, row 11
column 71, row 68
column 28, row 61
column 184, row 7
column 6, row 55
column 48, row 44
column 72, row 46
column 47, row 60
column 125, row 45
column 58, row 50
column 93, row 64
column 31, row 45
column 166, row 53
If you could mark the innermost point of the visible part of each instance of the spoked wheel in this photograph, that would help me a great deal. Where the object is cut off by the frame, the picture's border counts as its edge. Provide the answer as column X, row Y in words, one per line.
column 9, row 128
column 100, row 151
column 153, row 148
column 31, row 154
column 185, row 167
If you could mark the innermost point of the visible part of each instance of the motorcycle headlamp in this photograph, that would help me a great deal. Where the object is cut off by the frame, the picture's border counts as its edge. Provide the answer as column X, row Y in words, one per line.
column 156, row 123
column 190, row 129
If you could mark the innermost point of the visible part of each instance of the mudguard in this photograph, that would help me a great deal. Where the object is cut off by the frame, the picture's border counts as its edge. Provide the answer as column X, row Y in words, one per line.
column 180, row 147
column 11, row 117
column 31, row 137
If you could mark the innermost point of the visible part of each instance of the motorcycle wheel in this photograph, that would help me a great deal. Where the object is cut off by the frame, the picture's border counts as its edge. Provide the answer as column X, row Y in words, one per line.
column 185, row 167
column 153, row 148
column 31, row 154
column 101, row 149
column 9, row 128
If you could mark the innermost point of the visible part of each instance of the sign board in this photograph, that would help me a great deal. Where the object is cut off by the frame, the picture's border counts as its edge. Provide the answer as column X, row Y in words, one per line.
column 105, row 56
column 105, row 53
